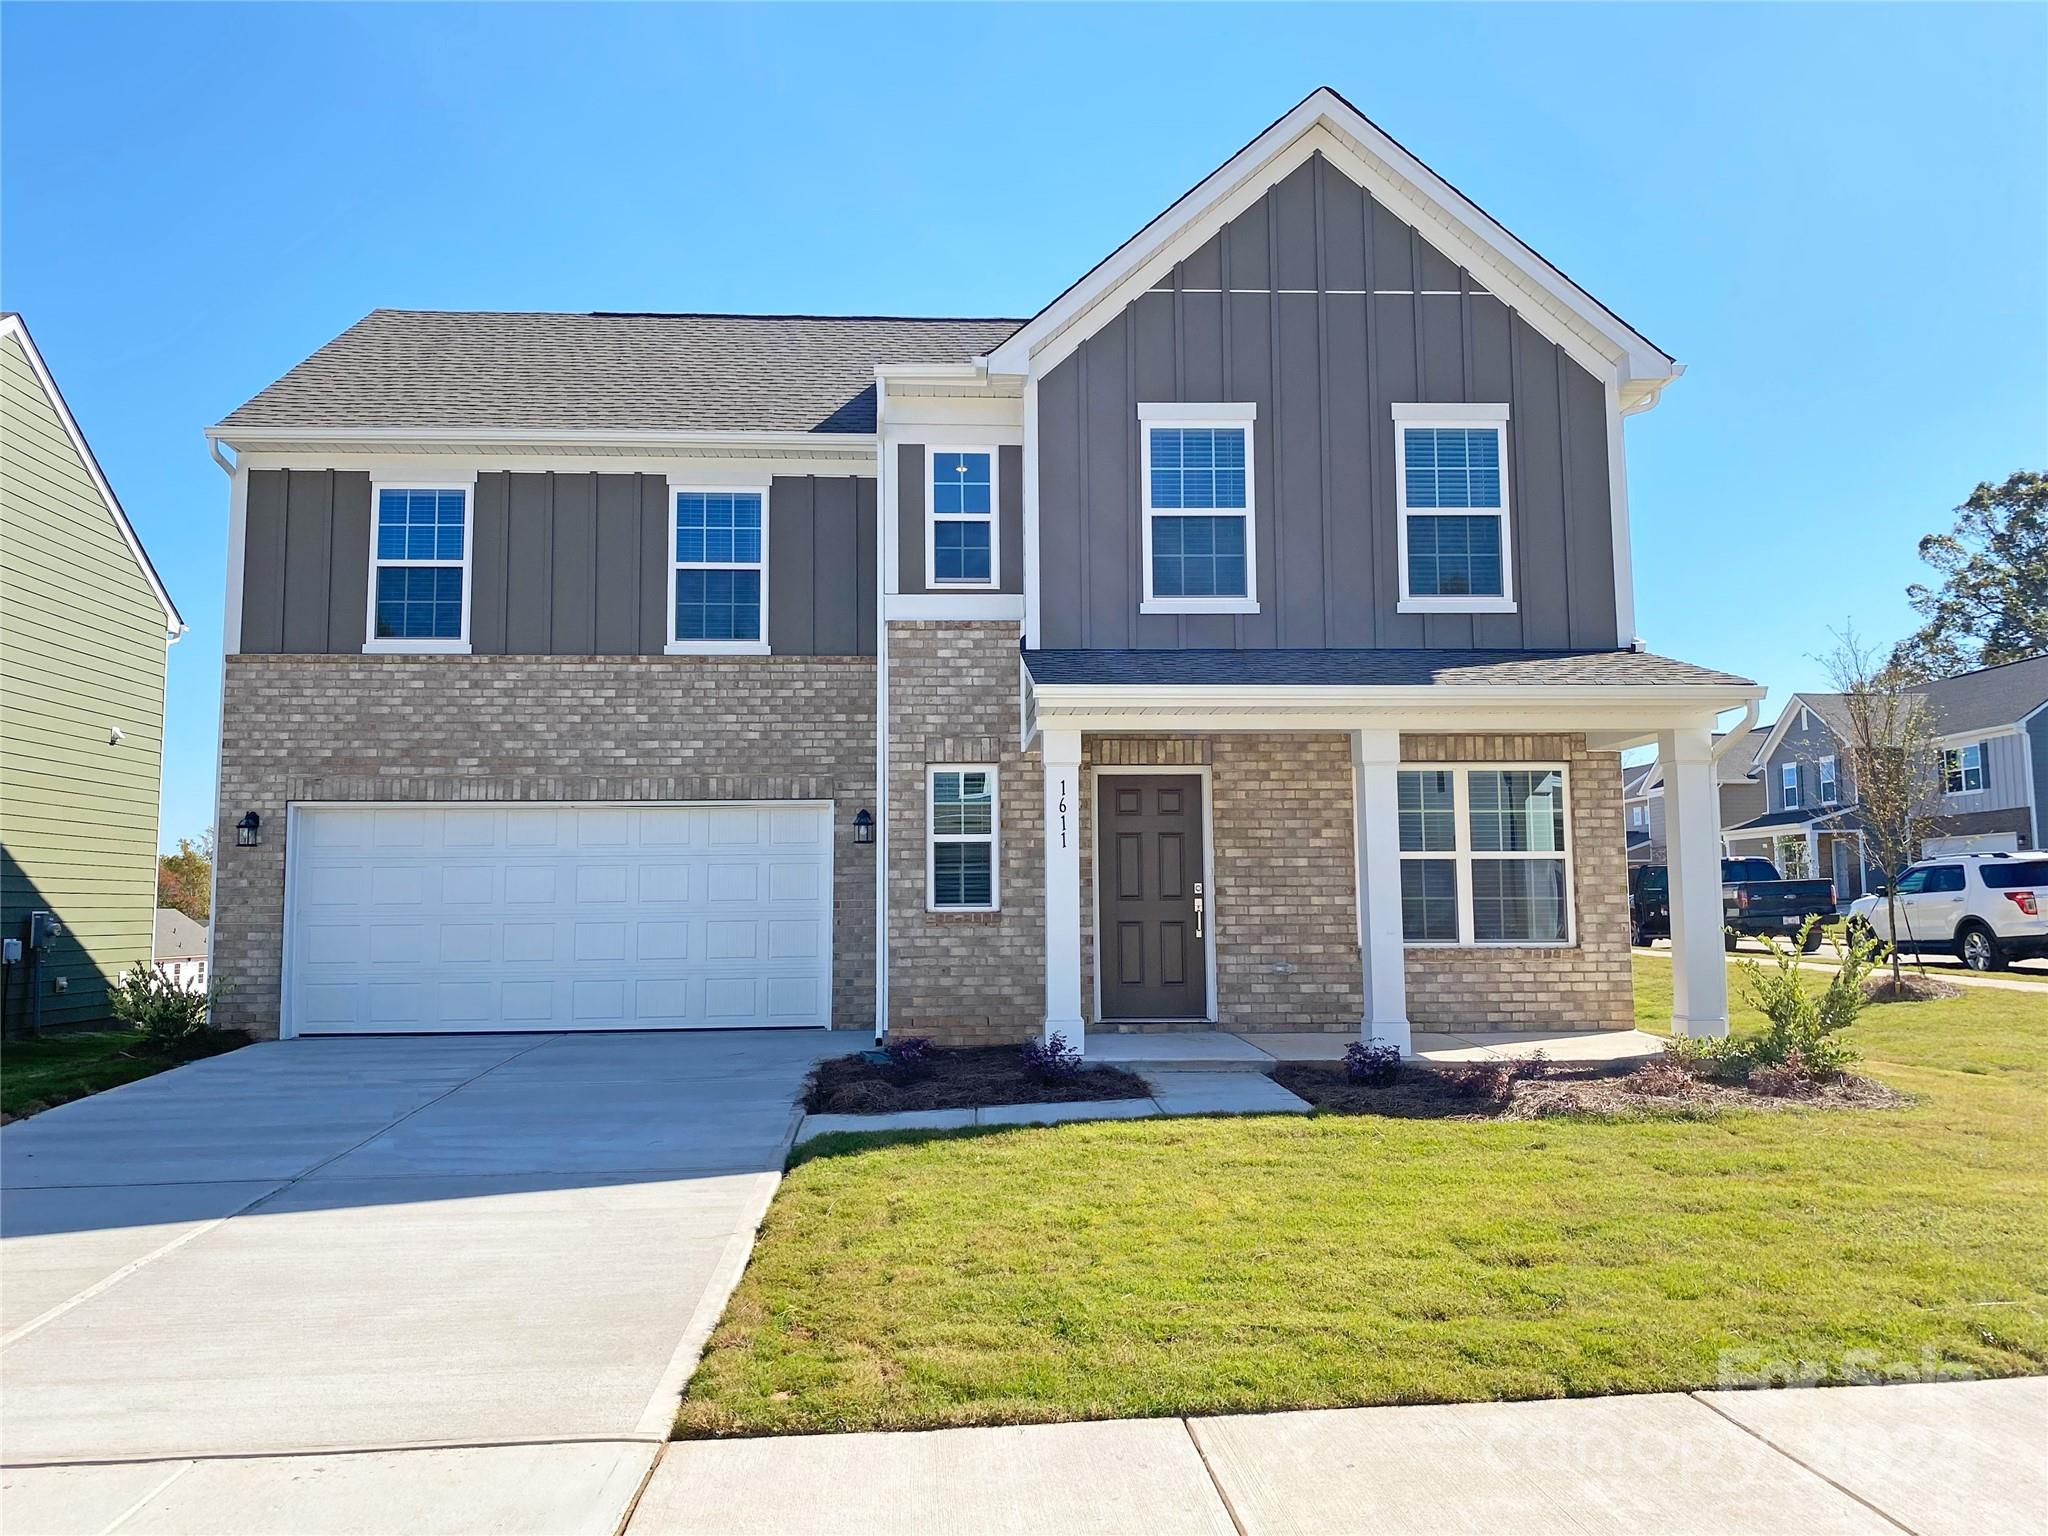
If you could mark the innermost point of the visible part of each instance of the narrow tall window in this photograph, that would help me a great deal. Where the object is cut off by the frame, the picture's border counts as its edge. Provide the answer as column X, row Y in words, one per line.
column 719, row 578
column 1453, row 499
column 1788, row 779
column 419, row 577
column 960, row 846
column 1828, row 792
column 960, row 549
column 1199, row 545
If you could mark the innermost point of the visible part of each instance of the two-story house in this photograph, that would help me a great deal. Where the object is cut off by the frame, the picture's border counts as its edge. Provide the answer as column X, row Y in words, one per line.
column 1992, row 733
column 1246, row 638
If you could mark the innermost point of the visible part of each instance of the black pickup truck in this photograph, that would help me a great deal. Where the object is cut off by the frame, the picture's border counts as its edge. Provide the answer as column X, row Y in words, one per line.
column 1755, row 899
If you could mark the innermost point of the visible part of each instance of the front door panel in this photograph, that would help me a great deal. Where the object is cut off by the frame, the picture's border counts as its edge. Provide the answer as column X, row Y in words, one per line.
column 1151, row 878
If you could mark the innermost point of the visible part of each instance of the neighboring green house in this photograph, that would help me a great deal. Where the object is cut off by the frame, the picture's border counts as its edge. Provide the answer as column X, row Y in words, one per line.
column 83, row 625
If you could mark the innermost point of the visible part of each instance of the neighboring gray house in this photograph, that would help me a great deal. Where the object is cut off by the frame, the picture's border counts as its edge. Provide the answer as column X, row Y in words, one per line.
column 1993, row 726
column 1738, row 795
column 1247, row 638
column 180, row 949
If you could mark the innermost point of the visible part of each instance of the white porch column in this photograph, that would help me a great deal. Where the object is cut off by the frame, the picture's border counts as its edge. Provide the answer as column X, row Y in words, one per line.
column 1061, row 754
column 1699, row 971
column 1812, row 854
column 1376, row 828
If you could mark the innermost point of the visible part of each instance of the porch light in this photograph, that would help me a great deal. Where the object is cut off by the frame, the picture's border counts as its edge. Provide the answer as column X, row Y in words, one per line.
column 249, row 830
column 863, row 826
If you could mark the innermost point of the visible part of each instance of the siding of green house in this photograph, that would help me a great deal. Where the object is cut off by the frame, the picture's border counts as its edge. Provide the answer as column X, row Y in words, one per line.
column 82, row 640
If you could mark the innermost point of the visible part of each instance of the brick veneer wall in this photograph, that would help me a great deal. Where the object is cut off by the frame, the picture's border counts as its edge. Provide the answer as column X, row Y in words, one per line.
column 1586, row 986
column 963, row 978
column 297, row 728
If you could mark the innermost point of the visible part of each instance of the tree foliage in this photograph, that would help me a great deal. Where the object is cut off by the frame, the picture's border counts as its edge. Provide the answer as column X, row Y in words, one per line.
column 1992, row 603
column 184, row 880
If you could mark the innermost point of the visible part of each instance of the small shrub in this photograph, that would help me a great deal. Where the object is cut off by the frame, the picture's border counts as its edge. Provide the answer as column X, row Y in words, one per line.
column 1800, row 1021
column 1663, row 1077
column 1051, row 1060
column 1791, row 1078
column 910, row 1057
column 1721, row 1058
column 1371, row 1066
column 1490, row 1082
column 165, row 1013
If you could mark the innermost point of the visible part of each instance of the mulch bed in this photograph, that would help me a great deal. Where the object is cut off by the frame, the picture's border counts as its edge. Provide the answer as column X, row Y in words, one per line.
column 1532, row 1092
column 1914, row 987
column 957, row 1079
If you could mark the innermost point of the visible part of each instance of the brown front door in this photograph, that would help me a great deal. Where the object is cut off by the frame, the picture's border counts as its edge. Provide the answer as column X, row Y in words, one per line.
column 1151, row 895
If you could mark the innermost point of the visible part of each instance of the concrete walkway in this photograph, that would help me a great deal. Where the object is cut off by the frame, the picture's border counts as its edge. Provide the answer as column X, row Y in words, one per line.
column 438, row 1284
column 1173, row 1093
column 1946, row 1459
column 1948, row 970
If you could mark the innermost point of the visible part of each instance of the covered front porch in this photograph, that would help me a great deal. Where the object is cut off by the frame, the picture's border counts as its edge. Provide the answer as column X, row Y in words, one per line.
column 1809, row 845
column 1417, row 848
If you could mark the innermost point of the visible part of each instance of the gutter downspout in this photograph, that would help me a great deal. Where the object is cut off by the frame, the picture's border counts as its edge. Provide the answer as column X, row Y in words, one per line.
column 884, row 543
column 231, row 632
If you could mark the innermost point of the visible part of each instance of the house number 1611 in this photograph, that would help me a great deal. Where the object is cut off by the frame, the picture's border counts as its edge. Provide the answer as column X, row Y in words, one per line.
column 1063, row 813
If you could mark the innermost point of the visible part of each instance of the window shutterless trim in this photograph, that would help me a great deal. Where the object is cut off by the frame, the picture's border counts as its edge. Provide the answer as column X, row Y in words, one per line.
column 1463, row 855
column 1240, row 415
column 397, row 646
column 1466, row 417
column 675, row 647
column 1955, row 769
column 1828, row 788
column 933, row 837
column 1788, row 787
column 933, row 516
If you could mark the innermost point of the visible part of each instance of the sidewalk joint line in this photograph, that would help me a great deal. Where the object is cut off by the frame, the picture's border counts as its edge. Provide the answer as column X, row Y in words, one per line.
column 1230, row 1509
column 145, row 1501
column 639, row 1493
column 299, row 1453
column 1766, row 1441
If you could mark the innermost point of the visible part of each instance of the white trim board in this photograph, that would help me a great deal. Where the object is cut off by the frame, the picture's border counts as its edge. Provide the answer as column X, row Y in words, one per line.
column 16, row 327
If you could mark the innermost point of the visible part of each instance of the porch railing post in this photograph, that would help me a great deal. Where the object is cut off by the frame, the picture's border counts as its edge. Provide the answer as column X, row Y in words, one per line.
column 1376, row 828
column 1060, row 751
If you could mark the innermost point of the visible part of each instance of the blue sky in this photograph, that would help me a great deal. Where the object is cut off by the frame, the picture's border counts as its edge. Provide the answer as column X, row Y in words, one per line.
column 1836, row 217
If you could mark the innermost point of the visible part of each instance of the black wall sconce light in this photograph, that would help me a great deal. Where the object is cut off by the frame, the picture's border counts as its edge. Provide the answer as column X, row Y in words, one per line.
column 863, row 826
column 249, row 830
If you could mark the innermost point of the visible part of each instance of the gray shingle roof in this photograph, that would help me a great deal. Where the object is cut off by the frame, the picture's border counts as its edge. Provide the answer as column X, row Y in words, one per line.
column 1371, row 669
column 1799, row 816
column 432, row 369
column 178, row 937
column 1989, row 697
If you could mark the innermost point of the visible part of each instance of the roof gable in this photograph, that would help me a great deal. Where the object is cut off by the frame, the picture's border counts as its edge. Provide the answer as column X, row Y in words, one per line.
column 1458, row 228
column 13, row 327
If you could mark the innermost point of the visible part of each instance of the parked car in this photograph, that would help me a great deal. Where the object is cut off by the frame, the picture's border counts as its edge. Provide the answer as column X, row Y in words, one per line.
column 1985, row 909
column 1755, row 899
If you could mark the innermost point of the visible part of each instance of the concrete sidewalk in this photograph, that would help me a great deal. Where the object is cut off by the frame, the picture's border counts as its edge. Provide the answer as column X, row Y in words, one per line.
column 1947, row 970
column 1968, row 1458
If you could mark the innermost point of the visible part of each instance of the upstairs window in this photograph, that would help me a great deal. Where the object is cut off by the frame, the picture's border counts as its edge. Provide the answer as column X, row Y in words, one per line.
column 419, row 569
column 1962, row 769
column 1451, row 475
column 1788, row 779
column 960, row 536
column 1199, row 547
column 1828, row 793
column 718, row 582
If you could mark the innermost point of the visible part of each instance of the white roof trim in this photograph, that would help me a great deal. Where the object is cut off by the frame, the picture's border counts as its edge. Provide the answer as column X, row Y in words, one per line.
column 1791, row 707
column 1550, row 301
column 13, row 325
column 608, row 437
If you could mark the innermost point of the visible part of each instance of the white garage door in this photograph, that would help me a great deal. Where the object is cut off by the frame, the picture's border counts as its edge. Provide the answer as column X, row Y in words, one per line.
column 404, row 918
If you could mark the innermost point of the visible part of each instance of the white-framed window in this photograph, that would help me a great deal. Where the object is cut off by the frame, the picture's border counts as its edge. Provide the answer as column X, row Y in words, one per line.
column 718, row 570
column 1828, row 792
column 962, row 825
column 1962, row 769
column 1639, row 815
column 1485, row 855
column 1200, row 547
column 419, row 568
column 961, row 548
column 1788, row 781
column 1451, row 486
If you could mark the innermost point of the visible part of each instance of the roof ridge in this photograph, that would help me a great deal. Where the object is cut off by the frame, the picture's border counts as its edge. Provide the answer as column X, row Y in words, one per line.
column 698, row 314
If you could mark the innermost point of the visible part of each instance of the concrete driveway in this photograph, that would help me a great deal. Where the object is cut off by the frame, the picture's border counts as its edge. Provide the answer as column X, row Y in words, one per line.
column 452, row 1283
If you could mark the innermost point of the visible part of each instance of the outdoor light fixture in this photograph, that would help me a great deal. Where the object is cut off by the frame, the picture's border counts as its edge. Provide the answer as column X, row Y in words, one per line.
column 863, row 826
column 249, row 830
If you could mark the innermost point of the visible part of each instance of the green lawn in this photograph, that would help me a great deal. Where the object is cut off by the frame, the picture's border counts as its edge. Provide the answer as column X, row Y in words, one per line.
column 1202, row 1266
column 40, row 1074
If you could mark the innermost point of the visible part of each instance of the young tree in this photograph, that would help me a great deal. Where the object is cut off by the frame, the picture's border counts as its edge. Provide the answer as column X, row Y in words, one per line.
column 1893, row 761
column 184, row 879
column 1992, row 604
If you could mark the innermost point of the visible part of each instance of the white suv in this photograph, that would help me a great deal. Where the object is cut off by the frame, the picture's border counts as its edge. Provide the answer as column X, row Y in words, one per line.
column 1985, row 909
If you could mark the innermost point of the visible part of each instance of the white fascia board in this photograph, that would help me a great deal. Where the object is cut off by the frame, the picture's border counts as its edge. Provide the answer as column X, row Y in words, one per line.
column 1984, row 733
column 1555, row 305
column 13, row 325
column 458, row 439
column 1786, row 714
column 712, row 466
